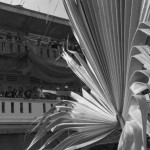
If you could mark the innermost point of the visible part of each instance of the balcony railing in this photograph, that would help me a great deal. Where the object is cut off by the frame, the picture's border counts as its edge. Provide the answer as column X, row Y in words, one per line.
column 10, row 47
column 23, row 111
column 43, row 51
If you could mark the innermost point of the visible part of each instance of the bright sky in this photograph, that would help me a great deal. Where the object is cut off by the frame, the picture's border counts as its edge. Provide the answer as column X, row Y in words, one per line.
column 53, row 7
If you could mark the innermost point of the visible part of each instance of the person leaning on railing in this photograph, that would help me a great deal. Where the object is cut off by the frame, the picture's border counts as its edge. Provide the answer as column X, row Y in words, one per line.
column 9, row 92
column 14, row 93
column 20, row 93
column 28, row 92
column 34, row 93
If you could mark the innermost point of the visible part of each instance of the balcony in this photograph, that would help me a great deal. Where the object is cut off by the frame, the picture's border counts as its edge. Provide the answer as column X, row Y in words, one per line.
column 20, row 111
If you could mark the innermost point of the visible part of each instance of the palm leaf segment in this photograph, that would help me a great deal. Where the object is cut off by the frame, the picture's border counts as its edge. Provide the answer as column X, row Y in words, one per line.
column 112, row 35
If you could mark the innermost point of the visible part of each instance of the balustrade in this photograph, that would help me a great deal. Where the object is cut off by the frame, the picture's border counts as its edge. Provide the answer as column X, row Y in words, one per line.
column 9, row 47
column 23, row 111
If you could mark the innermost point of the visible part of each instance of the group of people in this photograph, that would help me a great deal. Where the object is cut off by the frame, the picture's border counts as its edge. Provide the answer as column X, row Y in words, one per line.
column 23, row 38
column 49, row 44
column 29, row 93
column 32, row 93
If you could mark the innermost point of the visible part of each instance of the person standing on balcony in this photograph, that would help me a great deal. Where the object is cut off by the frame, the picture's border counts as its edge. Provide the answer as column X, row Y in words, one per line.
column 34, row 93
column 14, row 93
column 9, row 92
column 28, row 92
column 20, row 93
column 55, row 45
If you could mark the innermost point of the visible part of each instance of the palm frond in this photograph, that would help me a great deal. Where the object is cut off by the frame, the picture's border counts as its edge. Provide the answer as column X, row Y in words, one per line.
column 112, row 35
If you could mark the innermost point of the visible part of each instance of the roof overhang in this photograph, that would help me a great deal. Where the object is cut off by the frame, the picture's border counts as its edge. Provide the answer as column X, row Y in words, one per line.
column 16, row 18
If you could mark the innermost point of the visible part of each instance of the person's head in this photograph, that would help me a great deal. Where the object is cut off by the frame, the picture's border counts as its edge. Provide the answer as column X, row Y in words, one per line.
column 20, row 89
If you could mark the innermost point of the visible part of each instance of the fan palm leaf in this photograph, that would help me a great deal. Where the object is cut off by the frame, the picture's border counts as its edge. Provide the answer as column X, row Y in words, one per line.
column 112, row 35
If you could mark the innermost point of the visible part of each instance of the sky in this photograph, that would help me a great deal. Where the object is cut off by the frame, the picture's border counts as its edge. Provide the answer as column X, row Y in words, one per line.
column 53, row 7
